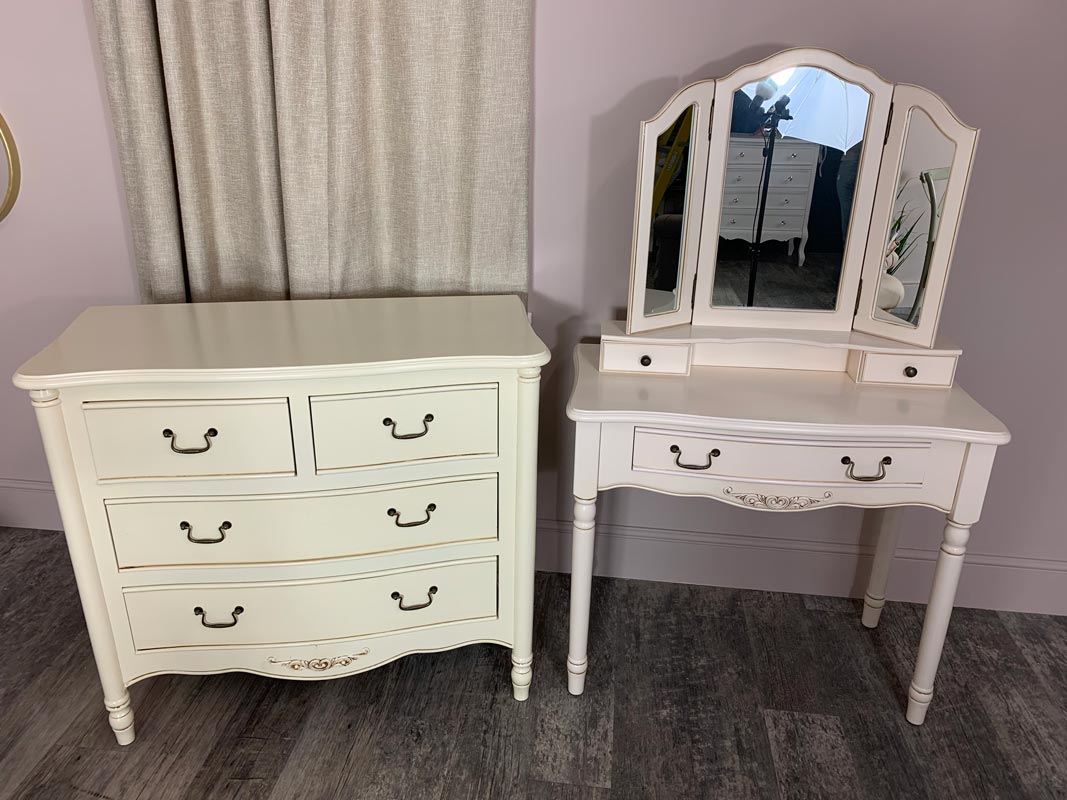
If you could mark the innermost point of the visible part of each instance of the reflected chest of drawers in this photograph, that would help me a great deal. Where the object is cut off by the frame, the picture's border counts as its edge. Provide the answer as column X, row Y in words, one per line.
column 303, row 489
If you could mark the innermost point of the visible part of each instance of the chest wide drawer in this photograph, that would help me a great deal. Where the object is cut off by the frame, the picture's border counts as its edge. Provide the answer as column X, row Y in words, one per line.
column 781, row 460
column 413, row 425
column 220, row 615
column 190, row 438
column 156, row 532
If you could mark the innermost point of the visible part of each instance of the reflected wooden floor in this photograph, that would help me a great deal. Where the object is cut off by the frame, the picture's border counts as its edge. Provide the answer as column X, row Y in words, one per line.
column 693, row 692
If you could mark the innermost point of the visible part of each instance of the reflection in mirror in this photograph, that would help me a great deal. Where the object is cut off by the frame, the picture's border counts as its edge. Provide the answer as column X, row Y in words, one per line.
column 924, row 172
column 795, row 143
column 667, row 231
column 9, row 170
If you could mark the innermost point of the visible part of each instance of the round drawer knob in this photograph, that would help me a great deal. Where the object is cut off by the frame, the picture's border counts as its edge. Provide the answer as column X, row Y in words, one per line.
column 911, row 372
column 646, row 361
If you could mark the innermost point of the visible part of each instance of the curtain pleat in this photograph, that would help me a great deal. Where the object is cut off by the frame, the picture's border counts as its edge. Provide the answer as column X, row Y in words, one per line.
column 316, row 149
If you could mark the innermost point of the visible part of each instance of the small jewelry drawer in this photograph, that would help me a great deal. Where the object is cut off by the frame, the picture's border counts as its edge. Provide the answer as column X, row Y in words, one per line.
column 134, row 439
column 781, row 460
column 219, row 615
column 666, row 359
column 380, row 428
column 918, row 370
column 156, row 532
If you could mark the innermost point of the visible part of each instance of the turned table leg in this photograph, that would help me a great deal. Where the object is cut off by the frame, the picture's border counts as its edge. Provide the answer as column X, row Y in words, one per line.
column 883, row 523
column 935, row 626
column 581, row 588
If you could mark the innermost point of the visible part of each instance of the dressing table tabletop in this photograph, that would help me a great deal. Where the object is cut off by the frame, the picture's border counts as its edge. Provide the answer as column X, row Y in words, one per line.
column 784, row 441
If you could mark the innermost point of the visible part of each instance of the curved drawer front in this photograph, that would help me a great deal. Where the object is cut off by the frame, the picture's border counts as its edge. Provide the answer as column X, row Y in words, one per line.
column 379, row 428
column 190, row 438
column 777, row 200
column 302, row 611
column 742, row 224
column 297, row 527
column 784, row 177
column 781, row 460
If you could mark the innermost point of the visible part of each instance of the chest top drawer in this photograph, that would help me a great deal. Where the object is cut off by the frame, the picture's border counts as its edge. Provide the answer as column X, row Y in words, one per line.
column 782, row 460
column 132, row 439
column 407, row 426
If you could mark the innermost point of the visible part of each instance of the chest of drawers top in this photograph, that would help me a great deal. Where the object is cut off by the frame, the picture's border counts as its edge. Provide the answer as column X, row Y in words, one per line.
column 280, row 340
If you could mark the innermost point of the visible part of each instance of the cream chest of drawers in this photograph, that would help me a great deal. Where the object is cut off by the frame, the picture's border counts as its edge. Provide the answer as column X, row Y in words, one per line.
column 303, row 489
column 788, row 196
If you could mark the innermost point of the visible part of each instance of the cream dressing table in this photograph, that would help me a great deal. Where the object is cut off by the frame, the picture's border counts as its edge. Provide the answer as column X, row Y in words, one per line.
column 782, row 387
column 304, row 489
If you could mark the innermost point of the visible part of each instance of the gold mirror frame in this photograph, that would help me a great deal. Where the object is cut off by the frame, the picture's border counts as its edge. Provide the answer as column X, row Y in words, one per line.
column 14, row 177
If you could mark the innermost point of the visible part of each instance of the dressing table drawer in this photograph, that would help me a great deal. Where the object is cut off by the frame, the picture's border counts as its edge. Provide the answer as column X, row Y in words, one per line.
column 918, row 370
column 782, row 460
column 663, row 359
column 414, row 425
column 154, row 532
column 189, row 438
column 219, row 615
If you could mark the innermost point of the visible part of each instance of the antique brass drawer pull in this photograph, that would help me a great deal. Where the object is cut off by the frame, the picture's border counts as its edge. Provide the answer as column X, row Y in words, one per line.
column 851, row 475
column 429, row 599
column 210, row 434
column 237, row 611
column 392, row 512
column 185, row 526
column 389, row 423
column 678, row 458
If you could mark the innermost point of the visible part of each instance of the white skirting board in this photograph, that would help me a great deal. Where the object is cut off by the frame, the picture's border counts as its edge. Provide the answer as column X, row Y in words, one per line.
column 28, row 504
column 803, row 566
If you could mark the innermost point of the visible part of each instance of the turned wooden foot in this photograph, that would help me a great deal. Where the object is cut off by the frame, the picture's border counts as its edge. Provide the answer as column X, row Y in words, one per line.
column 581, row 588
column 521, row 676
column 120, row 717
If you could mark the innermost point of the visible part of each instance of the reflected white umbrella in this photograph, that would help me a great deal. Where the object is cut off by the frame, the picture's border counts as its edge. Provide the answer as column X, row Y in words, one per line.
column 826, row 109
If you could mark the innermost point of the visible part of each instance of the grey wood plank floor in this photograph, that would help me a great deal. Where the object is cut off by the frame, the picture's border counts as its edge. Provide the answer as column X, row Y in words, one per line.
column 693, row 692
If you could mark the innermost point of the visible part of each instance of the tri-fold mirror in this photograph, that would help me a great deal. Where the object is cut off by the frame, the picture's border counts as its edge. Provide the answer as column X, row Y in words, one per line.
column 803, row 192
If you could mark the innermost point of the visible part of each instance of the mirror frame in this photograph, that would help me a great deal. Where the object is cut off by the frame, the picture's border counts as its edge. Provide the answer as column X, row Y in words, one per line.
column 14, row 168
column 701, row 95
column 907, row 98
column 841, row 317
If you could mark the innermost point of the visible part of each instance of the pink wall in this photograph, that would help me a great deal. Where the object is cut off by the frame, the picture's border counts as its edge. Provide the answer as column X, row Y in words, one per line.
column 64, row 246
column 600, row 68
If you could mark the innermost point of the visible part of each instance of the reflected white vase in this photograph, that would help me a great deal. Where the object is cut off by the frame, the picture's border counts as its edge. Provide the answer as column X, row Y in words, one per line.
column 890, row 292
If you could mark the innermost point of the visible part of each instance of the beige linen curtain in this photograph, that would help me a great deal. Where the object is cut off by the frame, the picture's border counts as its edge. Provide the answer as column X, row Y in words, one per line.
column 322, row 148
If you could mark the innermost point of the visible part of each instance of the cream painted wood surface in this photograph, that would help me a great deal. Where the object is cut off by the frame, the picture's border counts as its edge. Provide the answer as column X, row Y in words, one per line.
column 190, row 439
column 238, row 529
column 312, row 556
column 368, row 430
column 784, row 441
column 318, row 610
